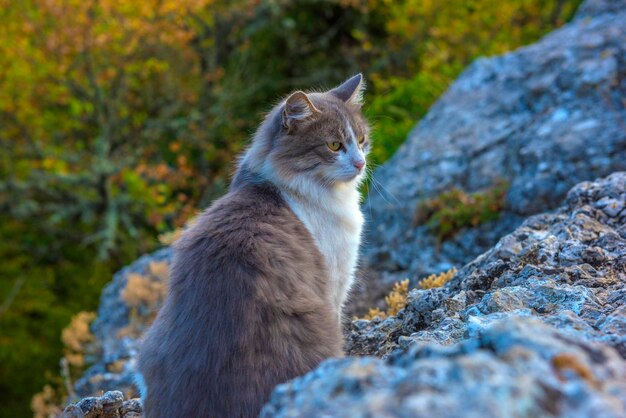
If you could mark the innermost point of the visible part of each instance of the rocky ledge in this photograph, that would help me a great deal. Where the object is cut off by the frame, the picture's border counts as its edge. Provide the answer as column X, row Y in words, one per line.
column 536, row 326
column 542, row 119
column 109, row 405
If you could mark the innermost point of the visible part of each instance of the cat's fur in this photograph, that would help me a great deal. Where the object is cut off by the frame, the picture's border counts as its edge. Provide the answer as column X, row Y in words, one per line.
column 257, row 284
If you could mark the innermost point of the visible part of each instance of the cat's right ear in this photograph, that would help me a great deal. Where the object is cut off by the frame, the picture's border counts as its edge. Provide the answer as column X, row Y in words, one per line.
column 351, row 90
column 298, row 107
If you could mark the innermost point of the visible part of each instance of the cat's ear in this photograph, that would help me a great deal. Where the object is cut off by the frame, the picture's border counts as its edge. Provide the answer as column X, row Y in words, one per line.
column 351, row 90
column 298, row 107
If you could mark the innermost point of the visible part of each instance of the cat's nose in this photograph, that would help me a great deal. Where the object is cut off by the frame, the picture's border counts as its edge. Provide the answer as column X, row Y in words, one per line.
column 358, row 164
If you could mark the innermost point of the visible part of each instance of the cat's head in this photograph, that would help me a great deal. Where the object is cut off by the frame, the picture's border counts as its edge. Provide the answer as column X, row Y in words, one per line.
column 319, row 138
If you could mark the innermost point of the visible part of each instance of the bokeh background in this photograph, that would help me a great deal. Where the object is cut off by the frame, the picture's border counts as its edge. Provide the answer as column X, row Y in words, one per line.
column 119, row 119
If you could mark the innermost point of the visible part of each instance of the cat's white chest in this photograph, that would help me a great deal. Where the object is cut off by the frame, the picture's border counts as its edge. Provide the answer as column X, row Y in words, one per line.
column 335, row 224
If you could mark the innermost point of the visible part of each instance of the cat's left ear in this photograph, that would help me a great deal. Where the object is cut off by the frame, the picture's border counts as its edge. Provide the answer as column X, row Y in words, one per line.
column 298, row 107
column 351, row 90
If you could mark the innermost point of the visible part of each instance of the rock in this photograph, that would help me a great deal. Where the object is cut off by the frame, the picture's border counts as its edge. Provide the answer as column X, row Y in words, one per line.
column 513, row 367
column 542, row 118
column 114, row 367
column 591, row 8
column 536, row 326
column 109, row 405
column 72, row 411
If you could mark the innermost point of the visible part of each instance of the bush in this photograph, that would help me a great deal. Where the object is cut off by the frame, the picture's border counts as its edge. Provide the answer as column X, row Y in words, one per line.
column 451, row 211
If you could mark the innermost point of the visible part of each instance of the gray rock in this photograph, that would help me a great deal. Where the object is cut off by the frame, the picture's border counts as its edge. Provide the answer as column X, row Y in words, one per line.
column 543, row 118
column 113, row 317
column 109, row 405
column 591, row 8
column 536, row 326
column 513, row 367
column 72, row 411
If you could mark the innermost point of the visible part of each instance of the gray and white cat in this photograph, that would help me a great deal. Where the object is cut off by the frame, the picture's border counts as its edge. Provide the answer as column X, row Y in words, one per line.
column 258, row 282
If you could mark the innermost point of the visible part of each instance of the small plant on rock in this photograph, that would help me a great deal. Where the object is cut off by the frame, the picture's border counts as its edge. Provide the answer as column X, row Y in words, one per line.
column 456, row 209
column 437, row 280
column 45, row 404
column 144, row 294
column 396, row 300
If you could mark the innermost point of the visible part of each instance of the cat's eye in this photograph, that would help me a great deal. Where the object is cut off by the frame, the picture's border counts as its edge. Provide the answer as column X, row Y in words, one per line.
column 334, row 146
column 361, row 139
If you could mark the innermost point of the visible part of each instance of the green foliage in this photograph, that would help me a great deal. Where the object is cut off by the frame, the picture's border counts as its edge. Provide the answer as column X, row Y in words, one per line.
column 51, row 287
column 455, row 209
column 118, row 119
column 394, row 114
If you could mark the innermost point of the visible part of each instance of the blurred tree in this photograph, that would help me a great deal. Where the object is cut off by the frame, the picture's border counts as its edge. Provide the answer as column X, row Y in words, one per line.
column 94, row 98
column 95, row 139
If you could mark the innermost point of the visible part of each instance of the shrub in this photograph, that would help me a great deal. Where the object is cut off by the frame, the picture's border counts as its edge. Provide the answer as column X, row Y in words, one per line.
column 394, row 111
column 437, row 280
column 77, row 337
column 396, row 301
column 456, row 209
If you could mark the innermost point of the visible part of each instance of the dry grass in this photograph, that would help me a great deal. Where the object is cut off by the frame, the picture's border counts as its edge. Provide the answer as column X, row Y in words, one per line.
column 78, row 341
column 76, row 337
column 45, row 404
column 437, row 280
column 144, row 295
column 396, row 299
column 143, row 291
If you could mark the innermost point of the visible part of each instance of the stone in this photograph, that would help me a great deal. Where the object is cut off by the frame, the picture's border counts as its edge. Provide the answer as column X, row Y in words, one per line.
column 72, row 411
column 113, row 318
column 109, row 405
column 543, row 118
column 514, row 333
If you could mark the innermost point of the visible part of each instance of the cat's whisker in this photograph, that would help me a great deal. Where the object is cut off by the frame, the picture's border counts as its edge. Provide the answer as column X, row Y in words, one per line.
column 379, row 184
column 385, row 190
column 369, row 202
column 378, row 190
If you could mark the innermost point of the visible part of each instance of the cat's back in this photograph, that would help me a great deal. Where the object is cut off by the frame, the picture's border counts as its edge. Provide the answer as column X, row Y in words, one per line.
column 247, row 215
column 246, row 308
column 251, row 227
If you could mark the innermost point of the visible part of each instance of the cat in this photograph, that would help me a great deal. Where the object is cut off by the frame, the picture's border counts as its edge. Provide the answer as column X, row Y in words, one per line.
column 257, row 284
